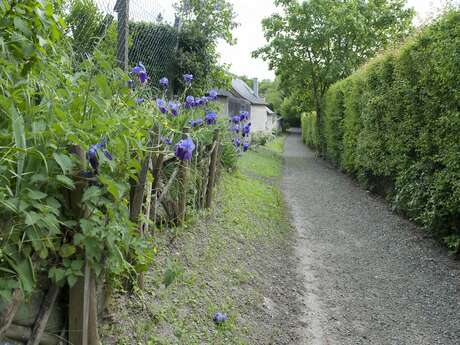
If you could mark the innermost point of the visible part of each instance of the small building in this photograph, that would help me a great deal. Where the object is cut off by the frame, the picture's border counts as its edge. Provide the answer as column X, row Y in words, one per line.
column 242, row 98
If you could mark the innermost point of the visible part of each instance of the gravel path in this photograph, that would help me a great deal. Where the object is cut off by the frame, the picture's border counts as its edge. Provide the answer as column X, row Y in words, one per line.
column 371, row 277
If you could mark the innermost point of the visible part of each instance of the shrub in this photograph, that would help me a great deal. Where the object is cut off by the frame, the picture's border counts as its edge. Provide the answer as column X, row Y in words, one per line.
column 309, row 129
column 394, row 124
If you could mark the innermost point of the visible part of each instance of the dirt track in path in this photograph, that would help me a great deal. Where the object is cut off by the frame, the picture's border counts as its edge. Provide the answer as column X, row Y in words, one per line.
column 371, row 277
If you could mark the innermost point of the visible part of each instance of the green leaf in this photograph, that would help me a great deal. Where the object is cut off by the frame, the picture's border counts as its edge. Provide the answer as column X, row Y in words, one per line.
column 116, row 189
column 56, row 274
column 64, row 162
column 36, row 195
column 72, row 280
column 32, row 218
column 20, row 143
column 22, row 26
column 67, row 250
column 66, row 181
column 91, row 193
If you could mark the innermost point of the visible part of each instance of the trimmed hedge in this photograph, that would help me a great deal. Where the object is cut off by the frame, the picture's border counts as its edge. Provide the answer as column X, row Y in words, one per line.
column 309, row 129
column 395, row 124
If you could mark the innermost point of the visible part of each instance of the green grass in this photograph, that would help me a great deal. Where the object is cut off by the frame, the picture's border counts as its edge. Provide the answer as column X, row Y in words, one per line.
column 265, row 161
column 219, row 256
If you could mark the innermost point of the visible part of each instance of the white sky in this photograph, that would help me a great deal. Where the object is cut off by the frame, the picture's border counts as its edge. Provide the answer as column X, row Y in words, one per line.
column 250, row 35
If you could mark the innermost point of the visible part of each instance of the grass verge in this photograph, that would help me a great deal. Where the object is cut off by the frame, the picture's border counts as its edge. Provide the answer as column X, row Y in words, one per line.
column 236, row 260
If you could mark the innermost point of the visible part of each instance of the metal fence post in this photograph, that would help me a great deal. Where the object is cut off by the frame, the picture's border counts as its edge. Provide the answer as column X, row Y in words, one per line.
column 122, row 8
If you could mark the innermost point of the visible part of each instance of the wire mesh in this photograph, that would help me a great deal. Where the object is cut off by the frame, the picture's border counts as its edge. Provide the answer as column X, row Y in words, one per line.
column 153, row 27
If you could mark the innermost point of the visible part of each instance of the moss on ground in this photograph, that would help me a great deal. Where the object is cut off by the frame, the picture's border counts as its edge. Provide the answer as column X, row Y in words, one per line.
column 228, row 261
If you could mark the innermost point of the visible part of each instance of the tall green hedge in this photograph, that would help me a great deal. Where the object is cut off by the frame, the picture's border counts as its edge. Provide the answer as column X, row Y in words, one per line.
column 309, row 129
column 395, row 124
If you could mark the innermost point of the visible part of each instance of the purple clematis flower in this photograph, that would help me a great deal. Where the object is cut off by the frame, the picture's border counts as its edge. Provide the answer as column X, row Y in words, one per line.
column 213, row 94
column 246, row 129
column 93, row 157
column 174, row 108
column 189, row 102
column 236, row 119
column 188, row 78
column 220, row 318
column 161, row 104
column 236, row 128
column 184, row 149
column 245, row 147
column 237, row 142
column 141, row 72
column 211, row 118
column 196, row 123
column 164, row 83
column 244, row 115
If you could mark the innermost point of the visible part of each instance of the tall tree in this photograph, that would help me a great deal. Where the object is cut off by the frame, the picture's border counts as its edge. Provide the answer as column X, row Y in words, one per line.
column 317, row 42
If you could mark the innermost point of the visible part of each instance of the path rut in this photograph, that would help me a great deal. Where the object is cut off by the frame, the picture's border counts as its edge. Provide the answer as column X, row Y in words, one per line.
column 371, row 277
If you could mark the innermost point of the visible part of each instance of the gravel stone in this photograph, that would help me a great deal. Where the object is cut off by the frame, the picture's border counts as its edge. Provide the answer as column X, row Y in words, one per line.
column 371, row 277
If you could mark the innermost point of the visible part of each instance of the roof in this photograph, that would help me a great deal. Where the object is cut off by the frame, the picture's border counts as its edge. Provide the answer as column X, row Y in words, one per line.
column 246, row 92
column 269, row 111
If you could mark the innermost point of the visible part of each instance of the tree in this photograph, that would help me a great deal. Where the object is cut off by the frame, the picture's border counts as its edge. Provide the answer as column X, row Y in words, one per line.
column 315, row 43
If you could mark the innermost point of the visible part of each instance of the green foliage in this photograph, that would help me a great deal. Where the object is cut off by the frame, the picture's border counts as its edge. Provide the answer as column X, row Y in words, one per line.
column 394, row 124
column 55, row 210
column 89, row 28
column 309, row 129
column 312, row 44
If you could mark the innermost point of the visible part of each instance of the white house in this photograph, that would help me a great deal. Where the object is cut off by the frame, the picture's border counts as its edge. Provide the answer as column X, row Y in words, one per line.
column 242, row 98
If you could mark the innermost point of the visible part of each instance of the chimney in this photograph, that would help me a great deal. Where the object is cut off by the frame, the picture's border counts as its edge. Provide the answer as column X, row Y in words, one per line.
column 255, row 86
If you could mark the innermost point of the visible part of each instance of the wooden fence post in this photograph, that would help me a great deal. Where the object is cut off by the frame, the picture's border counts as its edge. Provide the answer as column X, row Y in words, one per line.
column 82, row 296
column 43, row 315
column 122, row 8
column 183, row 179
column 212, row 169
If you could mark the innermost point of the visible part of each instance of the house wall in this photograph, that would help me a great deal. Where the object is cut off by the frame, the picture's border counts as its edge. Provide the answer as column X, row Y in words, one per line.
column 223, row 102
column 259, row 118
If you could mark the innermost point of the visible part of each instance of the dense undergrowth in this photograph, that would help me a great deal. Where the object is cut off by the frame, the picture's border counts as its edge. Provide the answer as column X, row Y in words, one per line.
column 394, row 124
column 218, row 264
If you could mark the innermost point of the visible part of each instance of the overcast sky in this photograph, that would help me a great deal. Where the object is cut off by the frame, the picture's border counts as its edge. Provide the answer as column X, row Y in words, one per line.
column 250, row 35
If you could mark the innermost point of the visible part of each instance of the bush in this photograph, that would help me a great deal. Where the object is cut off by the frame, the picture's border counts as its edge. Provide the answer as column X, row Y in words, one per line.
column 309, row 129
column 261, row 138
column 394, row 124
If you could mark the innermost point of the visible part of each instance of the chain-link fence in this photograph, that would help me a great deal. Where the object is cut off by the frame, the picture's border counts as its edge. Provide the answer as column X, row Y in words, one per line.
column 130, row 31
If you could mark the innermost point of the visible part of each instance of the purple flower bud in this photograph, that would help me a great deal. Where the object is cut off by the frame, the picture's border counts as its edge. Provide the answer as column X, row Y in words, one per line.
column 161, row 104
column 213, row 94
column 220, row 318
column 166, row 141
column 131, row 83
column 139, row 100
column 245, row 147
column 188, row 78
column 211, row 118
column 92, row 157
column 237, row 142
column 92, row 154
column 184, row 149
column 164, row 83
